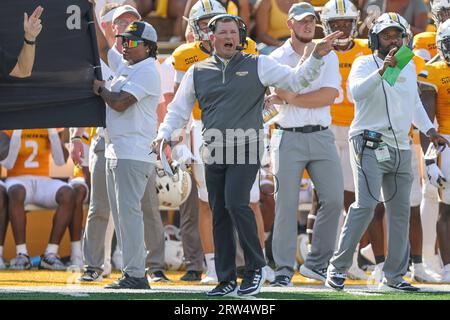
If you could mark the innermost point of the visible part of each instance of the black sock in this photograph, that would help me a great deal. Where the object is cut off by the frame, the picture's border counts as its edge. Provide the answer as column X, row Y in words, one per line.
column 379, row 259
column 416, row 259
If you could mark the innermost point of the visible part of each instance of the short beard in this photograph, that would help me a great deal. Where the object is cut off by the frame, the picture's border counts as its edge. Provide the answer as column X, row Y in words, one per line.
column 302, row 39
column 385, row 51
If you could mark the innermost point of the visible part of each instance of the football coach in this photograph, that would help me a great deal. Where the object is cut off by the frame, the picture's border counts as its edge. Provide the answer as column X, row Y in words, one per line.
column 230, row 87
column 380, row 154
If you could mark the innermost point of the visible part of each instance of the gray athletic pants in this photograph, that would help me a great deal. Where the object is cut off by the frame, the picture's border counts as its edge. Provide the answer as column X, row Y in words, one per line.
column 131, row 188
column 291, row 153
column 190, row 236
column 99, row 215
column 380, row 175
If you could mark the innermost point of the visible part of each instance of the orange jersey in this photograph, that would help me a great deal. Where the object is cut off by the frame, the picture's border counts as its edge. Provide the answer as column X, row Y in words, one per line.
column 424, row 45
column 34, row 154
column 188, row 54
column 437, row 75
column 342, row 111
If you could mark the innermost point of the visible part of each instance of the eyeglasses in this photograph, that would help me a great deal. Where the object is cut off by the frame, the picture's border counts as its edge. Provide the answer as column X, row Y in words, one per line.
column 128, row 43
column 385, row 37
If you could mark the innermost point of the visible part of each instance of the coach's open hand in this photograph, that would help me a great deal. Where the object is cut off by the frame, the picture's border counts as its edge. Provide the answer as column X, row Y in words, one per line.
column 325, row 45
column 32, row 25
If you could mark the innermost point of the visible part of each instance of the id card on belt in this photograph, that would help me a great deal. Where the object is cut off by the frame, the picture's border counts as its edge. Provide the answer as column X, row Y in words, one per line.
column 382, row 152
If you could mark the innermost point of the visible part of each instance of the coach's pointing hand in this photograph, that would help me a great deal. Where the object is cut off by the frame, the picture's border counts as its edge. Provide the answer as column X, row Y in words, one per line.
column 389, row 61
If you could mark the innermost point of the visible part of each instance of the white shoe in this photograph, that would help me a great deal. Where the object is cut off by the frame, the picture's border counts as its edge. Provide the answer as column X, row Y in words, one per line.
column 420, row 274
column 269, row 274
column 210, row 277
column 367, row 253
column 117, row 260
column 446, row 274
column 355, row 272
column 434, row 263
column 2, row 264
column 377, row 274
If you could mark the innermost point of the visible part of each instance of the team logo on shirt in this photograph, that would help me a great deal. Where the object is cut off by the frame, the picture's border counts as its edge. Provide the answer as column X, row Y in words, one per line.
column 242, row 73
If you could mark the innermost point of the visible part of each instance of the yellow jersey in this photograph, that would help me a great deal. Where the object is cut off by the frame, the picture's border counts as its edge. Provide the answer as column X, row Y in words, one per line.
column 437, row 75
column 34, row 153
column 188, row 54
column 342, row 111
column 424, row 45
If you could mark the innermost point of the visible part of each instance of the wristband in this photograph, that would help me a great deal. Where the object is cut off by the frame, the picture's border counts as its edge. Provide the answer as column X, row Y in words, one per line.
column 29, row 42
column 75, row 138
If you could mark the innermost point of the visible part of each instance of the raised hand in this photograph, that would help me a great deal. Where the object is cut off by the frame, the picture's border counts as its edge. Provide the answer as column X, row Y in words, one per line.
column 32, row 25
column 325, row 45
column 389, row 61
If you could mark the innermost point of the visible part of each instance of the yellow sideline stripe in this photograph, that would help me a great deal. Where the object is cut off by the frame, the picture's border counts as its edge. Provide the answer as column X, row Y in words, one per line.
column 30, row 278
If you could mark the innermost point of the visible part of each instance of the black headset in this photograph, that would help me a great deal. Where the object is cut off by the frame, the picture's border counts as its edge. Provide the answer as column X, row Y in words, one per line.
column 373, row 37
column 241, row 25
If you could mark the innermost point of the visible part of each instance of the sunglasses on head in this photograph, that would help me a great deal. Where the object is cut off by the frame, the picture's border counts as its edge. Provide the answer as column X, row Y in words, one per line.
column 129, row 43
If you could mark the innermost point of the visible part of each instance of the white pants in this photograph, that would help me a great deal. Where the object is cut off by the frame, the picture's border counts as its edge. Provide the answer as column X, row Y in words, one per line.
column 39, row 190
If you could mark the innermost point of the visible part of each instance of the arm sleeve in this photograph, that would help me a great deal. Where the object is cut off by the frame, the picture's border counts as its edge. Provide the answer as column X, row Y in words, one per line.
column 272, row 73
column 7, row 63
column 331, row 69
column 420, row 117
column 179, row 110
column 361, row 83
column 114, row 59
column 179, row 75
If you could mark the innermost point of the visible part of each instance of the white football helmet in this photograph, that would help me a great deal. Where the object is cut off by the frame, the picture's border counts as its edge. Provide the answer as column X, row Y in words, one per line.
column 443, row 40
column 340, row 9
column 172, row 191
column 440, row 11
column 173, row 250
column 201, row 10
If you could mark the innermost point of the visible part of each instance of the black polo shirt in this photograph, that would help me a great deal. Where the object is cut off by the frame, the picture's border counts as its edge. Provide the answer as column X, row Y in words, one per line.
column 7, row 63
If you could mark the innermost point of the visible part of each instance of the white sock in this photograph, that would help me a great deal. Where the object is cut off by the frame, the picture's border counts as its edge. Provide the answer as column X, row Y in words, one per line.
column 51, row 248
column 21, row 249
column 210, row 265
column 264, row 253
column 1, row 251
column 75, row 249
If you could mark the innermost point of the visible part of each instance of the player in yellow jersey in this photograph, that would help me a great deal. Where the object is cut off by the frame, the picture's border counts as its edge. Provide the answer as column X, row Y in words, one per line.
column 425, row 42
column 28, row 182
column 184, row 57
column 435, row 85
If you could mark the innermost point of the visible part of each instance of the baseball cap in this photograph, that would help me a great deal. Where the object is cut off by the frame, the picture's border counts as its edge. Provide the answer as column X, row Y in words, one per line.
column 125, row 9
column 298, row 11
column 139, row 30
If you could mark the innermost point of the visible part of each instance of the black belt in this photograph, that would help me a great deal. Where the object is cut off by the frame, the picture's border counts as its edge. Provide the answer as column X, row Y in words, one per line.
column 305, row 129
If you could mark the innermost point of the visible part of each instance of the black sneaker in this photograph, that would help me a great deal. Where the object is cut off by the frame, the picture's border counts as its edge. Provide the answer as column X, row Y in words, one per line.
column 281, row 281
column 252, row 283
column 127, row 282
column 316, row 274
column 399, row 286
column 192, row 275
column 335, row 280
column 224, row 288
column 91, row 275
column 158, row 276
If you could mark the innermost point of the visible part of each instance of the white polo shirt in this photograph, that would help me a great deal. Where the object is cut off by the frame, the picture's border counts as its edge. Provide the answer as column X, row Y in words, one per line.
column 294, row 116
column 129, row 134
